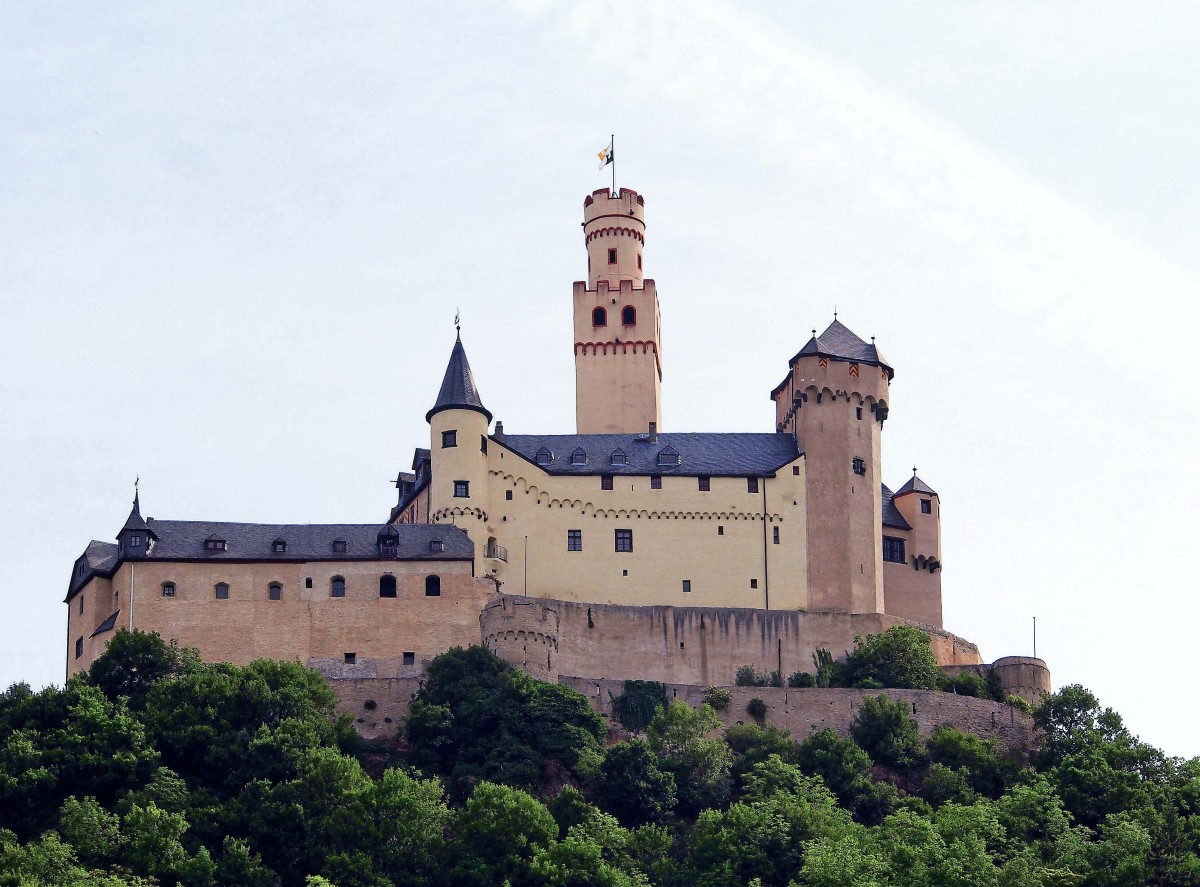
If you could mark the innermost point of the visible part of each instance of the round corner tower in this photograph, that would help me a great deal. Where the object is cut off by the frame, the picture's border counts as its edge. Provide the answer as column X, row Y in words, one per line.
column 618, row 365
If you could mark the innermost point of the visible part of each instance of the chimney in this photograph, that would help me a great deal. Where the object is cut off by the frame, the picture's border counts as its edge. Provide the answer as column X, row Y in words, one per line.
column 499, row 432
column 653, row 435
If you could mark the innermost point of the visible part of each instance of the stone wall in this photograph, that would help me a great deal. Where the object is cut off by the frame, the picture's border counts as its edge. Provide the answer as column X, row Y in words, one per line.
column 805, row 711
column 686, row 645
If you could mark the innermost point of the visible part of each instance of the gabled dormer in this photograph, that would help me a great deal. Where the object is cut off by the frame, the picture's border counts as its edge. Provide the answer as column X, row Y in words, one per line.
column 388, row 541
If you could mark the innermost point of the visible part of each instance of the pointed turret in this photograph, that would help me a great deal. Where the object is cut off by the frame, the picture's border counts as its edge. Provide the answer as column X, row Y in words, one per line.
column 458, row 391
column 134, row 537
column 916, row 485
column 841, row 342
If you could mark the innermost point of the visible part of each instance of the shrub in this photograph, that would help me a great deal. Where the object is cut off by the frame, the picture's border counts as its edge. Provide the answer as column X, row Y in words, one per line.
column 369, row 705
column 636, row 706
column 801, row 679
column 965, row 684
column 1019, row 703
column 718, row 697
column 828, row 672
column 900, row 657
column 885, row 731
column 747, row 676
column 756, row 708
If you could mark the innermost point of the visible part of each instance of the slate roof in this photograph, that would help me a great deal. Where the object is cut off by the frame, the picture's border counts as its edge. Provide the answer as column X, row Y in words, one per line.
column 134, row 521
column 841, row 343
column 916, row 485
column 184, row 541
column 107, row 625
column 458, row 391
column 891, row 514
column 716, row 454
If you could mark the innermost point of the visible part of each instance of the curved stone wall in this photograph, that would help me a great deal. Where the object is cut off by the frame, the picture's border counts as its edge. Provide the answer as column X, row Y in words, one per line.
column 523, row 631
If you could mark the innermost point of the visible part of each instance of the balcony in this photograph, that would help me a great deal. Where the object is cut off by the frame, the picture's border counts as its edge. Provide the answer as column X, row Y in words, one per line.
column 496, row 551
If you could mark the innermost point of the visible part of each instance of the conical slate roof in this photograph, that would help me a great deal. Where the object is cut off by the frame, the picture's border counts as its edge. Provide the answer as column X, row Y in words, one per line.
column 134, row 521
column 458, row 390
column 841, row 342
column 916, row 485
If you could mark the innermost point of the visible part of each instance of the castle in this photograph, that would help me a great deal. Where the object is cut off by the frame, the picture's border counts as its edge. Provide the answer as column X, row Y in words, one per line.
column 621, row 551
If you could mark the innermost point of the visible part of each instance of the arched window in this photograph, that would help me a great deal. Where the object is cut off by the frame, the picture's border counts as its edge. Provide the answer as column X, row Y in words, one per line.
column 168, row 589
column 222, row 591
column 629, row 315
column 599, row 317
column 433, row 586
column 387, row 586
column 274, row 592
column 337, row 587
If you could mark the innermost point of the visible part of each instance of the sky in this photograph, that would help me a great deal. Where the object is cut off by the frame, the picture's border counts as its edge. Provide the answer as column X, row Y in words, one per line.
column 233, row 239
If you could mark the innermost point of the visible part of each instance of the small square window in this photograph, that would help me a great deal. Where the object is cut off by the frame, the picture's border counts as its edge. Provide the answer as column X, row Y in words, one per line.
column 617, row 458
column 893, row 549
column 222, row 591
column 350, row 658
column 754, row 583
column 462, row 489
column 926, row 506
column 574, row 540
column 449, row 438
column 687, row 586
column 410, row 658
column 135, row 541
column 274, row 592
column 623, row 540
column 612, row 257
column 606, row 482
column 795, row 469
column 168, row 589
column 752, row 485
column 543, row 456
column 279, row 546
column 437, row 545
column 703, row 484
column 656, row 481
column 339, row 546
column 579, row 457
column 775, row 535
column 508, row 495
column 78, row 646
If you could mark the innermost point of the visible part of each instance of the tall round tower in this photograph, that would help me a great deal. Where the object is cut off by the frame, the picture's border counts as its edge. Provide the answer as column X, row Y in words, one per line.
column 618, row 362
column 835, row 400
column 458, row 451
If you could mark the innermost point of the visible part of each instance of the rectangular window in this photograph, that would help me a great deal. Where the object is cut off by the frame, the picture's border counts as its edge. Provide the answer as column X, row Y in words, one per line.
column 775, row 535
column 350, row 658
column 135, row 541
column 462, row 489
column 624, row 540
column 754, row 583
column 308, row 582
column 893, row 549
column 274, row 592
column 687, row 586
column 656, row 481
column 483, row 444
column 860, row 467
column 574, row 540
column 81, row 605
column 752, row 485
column 612, row 257
column 606, row 481
column 337, row 587
column 339, row 546
column 795, row 469
column 508, row 495
column 449, row 439
column 168, row 589
column 720, row 530
column 222, row 591
column 858, row 412
column 926, row 506
column 78, row 646
column 703, row 484
column 410, row 658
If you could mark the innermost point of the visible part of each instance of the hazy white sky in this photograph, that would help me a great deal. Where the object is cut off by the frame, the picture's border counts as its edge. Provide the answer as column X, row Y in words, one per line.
column 233, row 238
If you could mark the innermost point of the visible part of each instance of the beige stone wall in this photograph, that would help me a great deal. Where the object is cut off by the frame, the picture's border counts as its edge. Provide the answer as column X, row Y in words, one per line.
column 614, row 223
column 465, row 461
column 306, row 625
column 910, row 589
column 717, row 540
column 85, row 612
column 689, row 645
column 806, row 711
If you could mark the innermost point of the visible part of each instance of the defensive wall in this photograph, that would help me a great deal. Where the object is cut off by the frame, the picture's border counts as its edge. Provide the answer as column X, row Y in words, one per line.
column 684, row 645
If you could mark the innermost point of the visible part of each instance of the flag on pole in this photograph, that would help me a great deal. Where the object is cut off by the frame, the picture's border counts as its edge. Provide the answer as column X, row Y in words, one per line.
column 606, row 155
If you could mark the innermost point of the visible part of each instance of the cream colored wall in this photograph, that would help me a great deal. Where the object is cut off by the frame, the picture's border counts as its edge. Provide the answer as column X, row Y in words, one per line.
column 675, row 537
column 462, row 462
column 307, row 624
column 98, row 604
column 618, row 368
column 844, row 512
column 614, row 223
column 916, row 593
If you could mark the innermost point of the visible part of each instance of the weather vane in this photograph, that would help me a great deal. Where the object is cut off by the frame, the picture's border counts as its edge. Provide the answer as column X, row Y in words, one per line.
column 456, row 321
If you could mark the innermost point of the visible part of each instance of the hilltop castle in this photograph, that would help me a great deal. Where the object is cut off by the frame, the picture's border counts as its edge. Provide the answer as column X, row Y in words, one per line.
column 621, row 551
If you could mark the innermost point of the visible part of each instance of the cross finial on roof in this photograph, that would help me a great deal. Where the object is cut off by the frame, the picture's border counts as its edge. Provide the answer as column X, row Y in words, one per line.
column 914, row 471
column 835, row 312
column 457, row 327
column 136, row 481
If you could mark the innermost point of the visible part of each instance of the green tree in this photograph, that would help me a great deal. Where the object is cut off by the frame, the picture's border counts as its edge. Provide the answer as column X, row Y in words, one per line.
column 497, row 834
column 134, row 661
column 632, row 787
column 885, row 731
column 679, row 736
column 901, row 657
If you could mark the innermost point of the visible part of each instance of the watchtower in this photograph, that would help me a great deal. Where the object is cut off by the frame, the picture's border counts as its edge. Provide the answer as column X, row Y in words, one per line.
column 618, row 360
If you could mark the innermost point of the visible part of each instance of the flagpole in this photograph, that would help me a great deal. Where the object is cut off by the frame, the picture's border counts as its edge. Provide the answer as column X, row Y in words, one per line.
column 612, row 146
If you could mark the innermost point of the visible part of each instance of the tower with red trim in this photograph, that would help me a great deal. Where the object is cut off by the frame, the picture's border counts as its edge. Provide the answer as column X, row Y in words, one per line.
column 618, row 330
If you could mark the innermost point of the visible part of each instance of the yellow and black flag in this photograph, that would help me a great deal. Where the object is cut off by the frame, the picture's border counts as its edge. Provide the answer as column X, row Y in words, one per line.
column 606, row 155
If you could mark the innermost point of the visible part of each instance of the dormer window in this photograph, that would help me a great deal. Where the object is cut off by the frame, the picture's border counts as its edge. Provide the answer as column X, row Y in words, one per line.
column 437, row 545
column 544, row 457
column 389, row 539
column 279, row 546
column 339, row 546
column 135, row 541
column 618, row 457
column 579, row 457
column 213, row 543
column 668, row 456
column 82, row 568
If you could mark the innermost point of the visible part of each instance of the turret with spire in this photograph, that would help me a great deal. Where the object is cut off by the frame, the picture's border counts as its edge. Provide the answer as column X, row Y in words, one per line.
column 135, row 536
